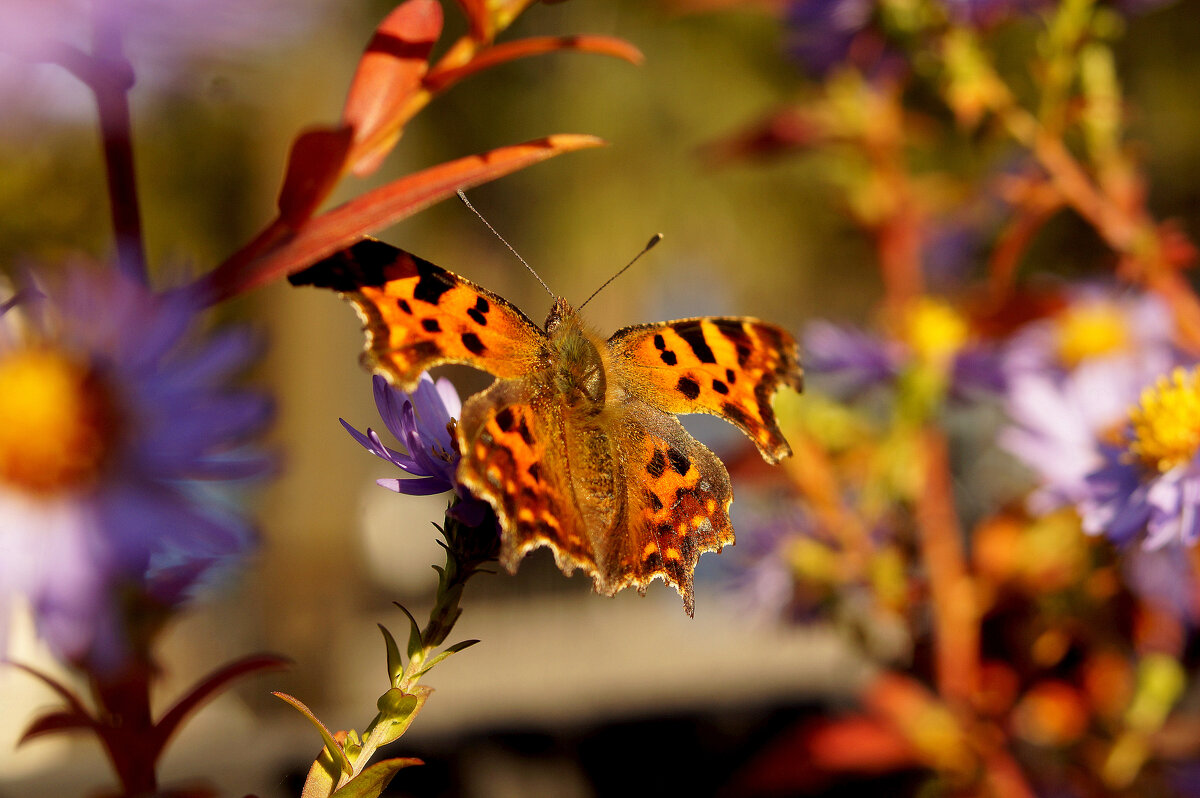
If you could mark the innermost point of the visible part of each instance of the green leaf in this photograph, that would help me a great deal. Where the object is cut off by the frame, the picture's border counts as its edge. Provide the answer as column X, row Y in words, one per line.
column 374, row 779
column 454, row 649
column 397, row 709
column 331, row 745
column 414, row 634
column 395, row 664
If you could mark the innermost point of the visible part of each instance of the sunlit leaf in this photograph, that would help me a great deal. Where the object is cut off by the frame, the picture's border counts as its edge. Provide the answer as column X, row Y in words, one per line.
column 331, row 745
column 315, row 164
column 510, row 51
column 337, row 229
column 375, row 778
column 454, row 649
column 395, row 664
column 389, row 73
column 397, row 710
column 478, row 19
column 414, row 631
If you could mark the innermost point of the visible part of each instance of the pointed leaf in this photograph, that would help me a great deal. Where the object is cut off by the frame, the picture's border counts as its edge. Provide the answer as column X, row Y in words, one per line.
column 395, row 664
column 337, row 229
column 440, row 79
column 414, row 632
column 57, row 722
column 397, row 710
column 315, row 165
column 322, row 777
column 331, row 745
column 389, row 74
column 454, row 649
column 74, row 702
column 374, row 779
column 478, row 19
column 208, row 687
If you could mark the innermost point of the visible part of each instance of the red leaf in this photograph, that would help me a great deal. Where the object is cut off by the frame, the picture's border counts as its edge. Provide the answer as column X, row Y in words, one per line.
column 315, row 164
column 208, row 687
column 478, row 19
column 523, row 48
column 339, row 228
column 55, row 723
column 74, row 702
column 389, row 74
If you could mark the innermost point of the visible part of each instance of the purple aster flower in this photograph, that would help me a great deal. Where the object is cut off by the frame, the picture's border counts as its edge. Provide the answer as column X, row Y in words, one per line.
column 116, row 430
column 1151, row 482
column 421, row 421
column 1097, row 322
column 933, row 337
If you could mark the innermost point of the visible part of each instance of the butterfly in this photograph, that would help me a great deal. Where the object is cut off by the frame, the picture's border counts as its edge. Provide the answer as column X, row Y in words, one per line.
column 576, row 444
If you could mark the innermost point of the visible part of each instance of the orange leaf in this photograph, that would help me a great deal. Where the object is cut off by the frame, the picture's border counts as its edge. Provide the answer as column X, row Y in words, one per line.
column 388, row 75
column 339, row 228
column 478, row 18
column 523, row 48
column 314, row 167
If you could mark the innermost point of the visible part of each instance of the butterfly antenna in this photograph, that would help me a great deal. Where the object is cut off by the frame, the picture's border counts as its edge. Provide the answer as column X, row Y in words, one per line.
column 536, row 276
column 649, row 246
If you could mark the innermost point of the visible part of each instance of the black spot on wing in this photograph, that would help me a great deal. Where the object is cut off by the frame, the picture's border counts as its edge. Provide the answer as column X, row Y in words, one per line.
column 523, row 431
column 367, row 263
column 735, row 332
column 730, row 376
column 693, row 333
column 471, row 341
column 679, row 461
column 720, row 387
column 688, row 387
column 737, row 415
column 505, row 419
column 431, row 325
column 669, row 358
column 478, row 313
column 653, row 502
column 432, row 282
column 657, row 464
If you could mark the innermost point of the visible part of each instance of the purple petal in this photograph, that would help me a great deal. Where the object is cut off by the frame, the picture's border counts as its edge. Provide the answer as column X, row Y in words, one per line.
column 418, row 486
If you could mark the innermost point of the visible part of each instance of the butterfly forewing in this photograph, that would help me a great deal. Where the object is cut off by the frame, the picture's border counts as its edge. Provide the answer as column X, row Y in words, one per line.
column 728, row 367
column 417, row 315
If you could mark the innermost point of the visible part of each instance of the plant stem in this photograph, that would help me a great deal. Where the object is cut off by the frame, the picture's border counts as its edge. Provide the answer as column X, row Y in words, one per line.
column 110, row 80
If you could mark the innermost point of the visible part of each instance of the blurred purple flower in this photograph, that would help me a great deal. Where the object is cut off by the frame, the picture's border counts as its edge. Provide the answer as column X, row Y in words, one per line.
column 163, row 39
column 421, row 422
column 1098, row 322
column 1059, row 423
column 820, row 32
column 116, row 427
column 854, row 360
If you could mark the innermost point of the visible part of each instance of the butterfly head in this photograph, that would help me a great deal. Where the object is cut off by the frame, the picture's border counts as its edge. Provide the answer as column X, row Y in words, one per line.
column 578, row 370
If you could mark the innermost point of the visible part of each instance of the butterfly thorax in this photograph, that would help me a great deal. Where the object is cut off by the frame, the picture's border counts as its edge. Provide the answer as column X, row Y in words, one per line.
column 577, row 368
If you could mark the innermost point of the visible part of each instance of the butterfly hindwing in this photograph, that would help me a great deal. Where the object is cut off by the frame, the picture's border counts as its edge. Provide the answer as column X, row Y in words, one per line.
column 677, row 503
column 514, row 455
column 417, row 315
column 728, row 367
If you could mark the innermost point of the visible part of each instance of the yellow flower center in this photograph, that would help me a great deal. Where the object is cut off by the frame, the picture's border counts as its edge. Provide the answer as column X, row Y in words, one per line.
column 1166, row 423
column 56, row 422
column 935, row 331
column 1090, row 330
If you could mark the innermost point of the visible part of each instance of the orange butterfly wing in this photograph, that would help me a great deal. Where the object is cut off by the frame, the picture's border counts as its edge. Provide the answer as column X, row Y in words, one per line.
column 417, row 315
column 727, row 367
